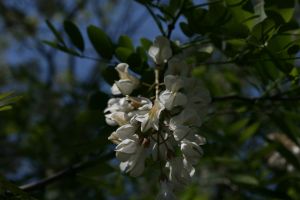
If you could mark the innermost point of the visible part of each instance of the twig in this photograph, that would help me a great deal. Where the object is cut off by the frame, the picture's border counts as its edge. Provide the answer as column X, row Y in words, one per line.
column 91, row 58
column 70, row 171
column 156, row 20
column 172, row 25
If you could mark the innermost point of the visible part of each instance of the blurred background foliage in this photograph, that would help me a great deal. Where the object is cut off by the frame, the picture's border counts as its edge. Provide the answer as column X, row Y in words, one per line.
column 57, row 61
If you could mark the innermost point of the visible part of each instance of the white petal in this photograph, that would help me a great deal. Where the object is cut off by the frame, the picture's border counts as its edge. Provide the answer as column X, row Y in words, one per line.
column 137, row 162
column 110, row 121
column 125, row 86
column 167, row 99
column 123, row 157
column 124, row 166
column 181, row 132
column 199, row 139
column 122, row 69
column 115, row 90
column 151, row 119
column 125, row 79
column 160, row 51
column 173, row 83
column 179, row 99
column 189, row 168
column 119, row 117
column 125, row 132
column 166, row 53
column 191, row 151
column 177, row 66
column 127, row 146
column 153, row 52
column 114, row 138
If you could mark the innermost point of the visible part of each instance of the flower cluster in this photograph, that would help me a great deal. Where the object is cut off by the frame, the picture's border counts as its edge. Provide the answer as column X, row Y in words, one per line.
column 164, row 129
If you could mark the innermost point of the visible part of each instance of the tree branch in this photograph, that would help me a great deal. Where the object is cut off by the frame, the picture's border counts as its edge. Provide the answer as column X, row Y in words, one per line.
column 70, row 171
column 171, row 26
column 155, row 19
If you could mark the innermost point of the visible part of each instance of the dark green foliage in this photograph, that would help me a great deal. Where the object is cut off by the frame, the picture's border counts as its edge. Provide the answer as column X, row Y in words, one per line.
column 244, row 52
column 74, row 35
column 101, row 42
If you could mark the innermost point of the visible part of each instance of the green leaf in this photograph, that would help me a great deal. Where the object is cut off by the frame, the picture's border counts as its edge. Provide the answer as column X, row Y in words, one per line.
column 101, row 42
column 62, row 48
column 6, row 99
column 249, row 131
column 55, row 32
column 5, row 95
column 4, row 108
column 110, row 75
column 237, row 126
column 145, row 43
column 289, row 128
column 185, row 29
column 143, row 54
column 242, row 12
column 126, row 42
column 245, row 179
column 284, row 8
column 74, row 34
column 262, row 32
column 135, row 62
column 123, row 53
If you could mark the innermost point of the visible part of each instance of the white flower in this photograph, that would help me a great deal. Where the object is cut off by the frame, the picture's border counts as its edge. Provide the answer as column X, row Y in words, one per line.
column 116, row 118
column 197, row 95
column 132, row 156
column 160, row 51
column 127, row 82
column 166, row 191
column 171, row 97
column 151, row 118
column 191, row 151
column 183, row 125
column 118, row 105
column 122, row 110
column 161, row 150
column 180, row 171
column 187, row 117
column 142, row 106
column 124, row 132
column 180, row 131
column 177, row 66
